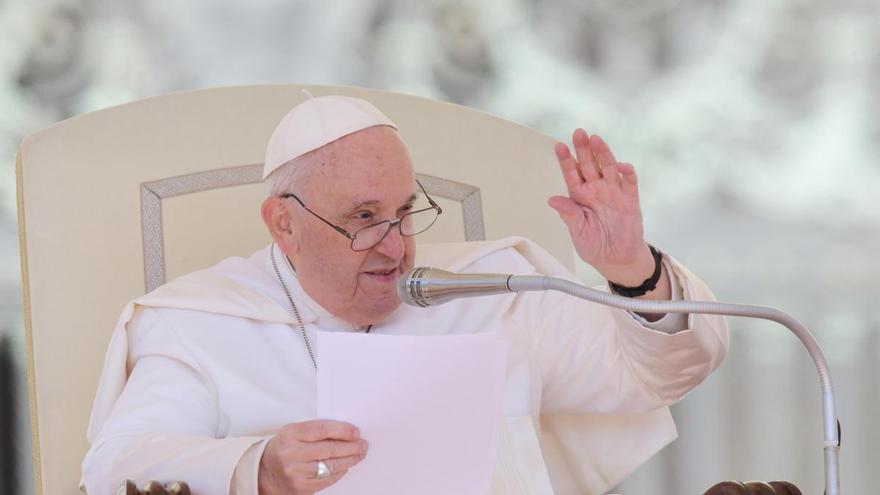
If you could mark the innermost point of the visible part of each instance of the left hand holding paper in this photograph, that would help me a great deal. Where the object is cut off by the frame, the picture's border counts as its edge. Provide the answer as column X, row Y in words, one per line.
column 289, row 463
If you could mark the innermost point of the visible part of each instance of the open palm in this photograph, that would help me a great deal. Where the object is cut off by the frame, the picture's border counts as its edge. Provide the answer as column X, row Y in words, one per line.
column 602, row 209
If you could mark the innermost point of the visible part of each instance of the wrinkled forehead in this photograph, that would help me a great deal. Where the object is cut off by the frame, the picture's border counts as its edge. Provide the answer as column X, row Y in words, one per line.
column 373, row 164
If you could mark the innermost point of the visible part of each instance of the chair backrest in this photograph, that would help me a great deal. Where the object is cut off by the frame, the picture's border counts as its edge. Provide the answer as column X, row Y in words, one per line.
column 114, row 202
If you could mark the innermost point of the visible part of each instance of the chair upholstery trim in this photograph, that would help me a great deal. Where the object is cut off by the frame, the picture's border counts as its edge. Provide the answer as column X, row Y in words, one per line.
column 28, row 329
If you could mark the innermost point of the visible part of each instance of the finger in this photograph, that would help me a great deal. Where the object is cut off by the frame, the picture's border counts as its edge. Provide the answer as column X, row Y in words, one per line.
column 322, row 429
column 605, row 159
column 628, row 179
column 316, row 485
column 568, row 166
column 339, row 464
column 586, row 162
column 570, row 212
column 330, row 449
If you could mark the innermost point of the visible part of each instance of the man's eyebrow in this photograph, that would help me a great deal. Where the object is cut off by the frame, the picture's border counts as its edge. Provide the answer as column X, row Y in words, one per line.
column 362, row 204
column 376, row 202
column 412, row 199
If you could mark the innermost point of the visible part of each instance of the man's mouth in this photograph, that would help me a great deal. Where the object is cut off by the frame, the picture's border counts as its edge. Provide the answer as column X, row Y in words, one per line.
column 382, row 273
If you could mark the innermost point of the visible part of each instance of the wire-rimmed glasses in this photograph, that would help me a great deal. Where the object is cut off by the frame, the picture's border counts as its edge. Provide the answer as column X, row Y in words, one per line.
column 409, row 224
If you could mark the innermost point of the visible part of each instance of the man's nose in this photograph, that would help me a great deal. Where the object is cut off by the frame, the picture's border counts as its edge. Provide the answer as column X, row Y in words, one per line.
column 392, row 244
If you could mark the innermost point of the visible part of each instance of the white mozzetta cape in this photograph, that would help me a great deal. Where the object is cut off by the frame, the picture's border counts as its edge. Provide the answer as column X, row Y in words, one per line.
column 212, row 363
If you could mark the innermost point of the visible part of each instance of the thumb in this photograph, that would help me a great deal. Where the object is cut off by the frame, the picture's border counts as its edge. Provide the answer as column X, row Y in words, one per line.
column 570, row 212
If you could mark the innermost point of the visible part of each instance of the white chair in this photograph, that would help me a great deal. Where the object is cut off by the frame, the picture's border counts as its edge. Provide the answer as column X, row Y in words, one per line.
column 115, row 202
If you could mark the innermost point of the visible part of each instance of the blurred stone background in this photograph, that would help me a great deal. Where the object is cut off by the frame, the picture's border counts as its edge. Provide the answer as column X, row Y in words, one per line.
column 752, row 125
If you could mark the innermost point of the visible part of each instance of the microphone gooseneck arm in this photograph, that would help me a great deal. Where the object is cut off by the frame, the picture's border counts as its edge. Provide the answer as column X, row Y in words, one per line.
column 429, row 286
column 518, row 283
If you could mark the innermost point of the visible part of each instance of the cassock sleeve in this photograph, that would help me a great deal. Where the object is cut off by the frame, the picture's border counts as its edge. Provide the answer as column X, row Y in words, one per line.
column 670, row 322
column 599, row 360
column 246, row 478
column 166, row 425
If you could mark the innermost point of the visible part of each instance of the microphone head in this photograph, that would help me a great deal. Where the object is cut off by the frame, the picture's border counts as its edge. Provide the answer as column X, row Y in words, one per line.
column 409, row 286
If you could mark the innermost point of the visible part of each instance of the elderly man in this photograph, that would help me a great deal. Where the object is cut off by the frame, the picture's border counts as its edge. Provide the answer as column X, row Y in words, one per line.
column 211, row 378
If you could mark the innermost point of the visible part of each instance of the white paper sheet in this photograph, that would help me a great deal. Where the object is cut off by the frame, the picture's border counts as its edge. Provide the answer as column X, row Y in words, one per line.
column 429, row 406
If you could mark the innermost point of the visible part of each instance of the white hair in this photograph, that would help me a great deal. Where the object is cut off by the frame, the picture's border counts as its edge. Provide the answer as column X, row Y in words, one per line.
column 289, row 177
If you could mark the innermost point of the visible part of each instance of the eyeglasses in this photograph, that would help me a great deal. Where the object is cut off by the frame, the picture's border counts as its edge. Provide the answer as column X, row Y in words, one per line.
column 409, row 224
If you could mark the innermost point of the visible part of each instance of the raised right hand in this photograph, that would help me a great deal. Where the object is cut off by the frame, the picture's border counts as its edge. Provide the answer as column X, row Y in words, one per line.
column 289, row 463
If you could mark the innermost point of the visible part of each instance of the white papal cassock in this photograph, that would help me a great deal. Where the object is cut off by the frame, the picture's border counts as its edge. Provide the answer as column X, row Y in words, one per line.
column 204, row 369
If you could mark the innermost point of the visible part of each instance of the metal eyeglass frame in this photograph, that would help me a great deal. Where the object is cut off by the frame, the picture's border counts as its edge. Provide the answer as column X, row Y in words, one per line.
column 391, row 222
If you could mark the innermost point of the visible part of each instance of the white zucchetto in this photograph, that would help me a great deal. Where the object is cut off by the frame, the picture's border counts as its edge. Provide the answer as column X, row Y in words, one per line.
column 318, row 121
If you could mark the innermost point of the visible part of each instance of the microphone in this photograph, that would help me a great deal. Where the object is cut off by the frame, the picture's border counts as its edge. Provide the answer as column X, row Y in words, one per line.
column 424, row 287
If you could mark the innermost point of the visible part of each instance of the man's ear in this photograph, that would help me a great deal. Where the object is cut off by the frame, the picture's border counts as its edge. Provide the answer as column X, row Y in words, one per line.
column 277, row 218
